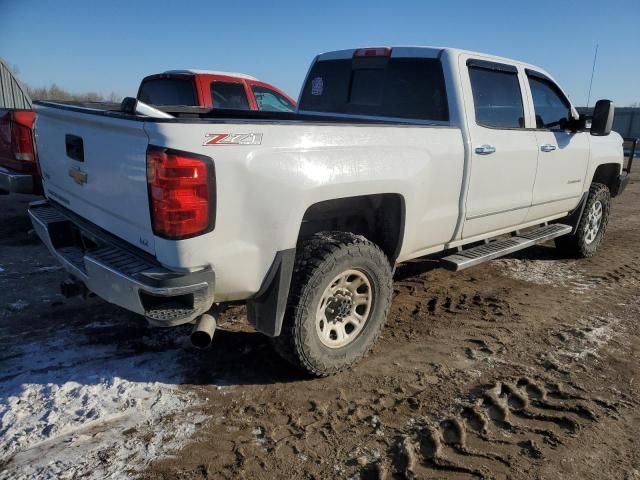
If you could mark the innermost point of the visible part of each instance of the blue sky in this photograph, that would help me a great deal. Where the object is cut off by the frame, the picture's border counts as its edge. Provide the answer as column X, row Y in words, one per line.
column 109, row 45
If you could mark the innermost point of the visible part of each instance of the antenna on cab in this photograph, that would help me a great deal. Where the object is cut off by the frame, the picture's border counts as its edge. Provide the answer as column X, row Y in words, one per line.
column 593, row 70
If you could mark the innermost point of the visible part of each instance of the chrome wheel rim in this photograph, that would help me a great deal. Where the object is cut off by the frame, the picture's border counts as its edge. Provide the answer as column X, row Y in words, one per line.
column 344, row 308
column 594, row 222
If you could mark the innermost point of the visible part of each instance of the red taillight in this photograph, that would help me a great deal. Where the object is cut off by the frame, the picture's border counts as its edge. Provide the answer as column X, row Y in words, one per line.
column 372, row 52
column 22, row 137
column 181, row 195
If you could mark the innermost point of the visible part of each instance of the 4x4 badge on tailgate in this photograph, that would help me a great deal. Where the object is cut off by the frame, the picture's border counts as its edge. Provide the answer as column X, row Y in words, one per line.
column 232, row 139
column 78, row 175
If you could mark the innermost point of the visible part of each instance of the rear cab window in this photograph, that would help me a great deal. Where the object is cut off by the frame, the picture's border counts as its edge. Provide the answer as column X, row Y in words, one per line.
column 168, row 91
column 229, row 95
column 497, row 97
column 404, row 88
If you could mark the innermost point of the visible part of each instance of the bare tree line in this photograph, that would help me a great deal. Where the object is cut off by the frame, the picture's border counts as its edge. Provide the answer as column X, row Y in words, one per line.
column 54, row 92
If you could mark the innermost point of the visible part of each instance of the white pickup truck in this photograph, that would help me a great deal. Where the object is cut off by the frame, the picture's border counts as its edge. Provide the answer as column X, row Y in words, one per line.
column 394, row 153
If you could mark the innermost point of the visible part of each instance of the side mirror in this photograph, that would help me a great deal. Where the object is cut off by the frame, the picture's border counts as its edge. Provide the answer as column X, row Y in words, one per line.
column 602, row 120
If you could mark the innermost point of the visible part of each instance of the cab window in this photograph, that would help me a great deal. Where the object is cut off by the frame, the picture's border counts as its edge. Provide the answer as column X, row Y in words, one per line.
column 406, row 88
column 550, row 105
column 271, row 101
column 497, row 98
column 229, row 95
column 168, row 91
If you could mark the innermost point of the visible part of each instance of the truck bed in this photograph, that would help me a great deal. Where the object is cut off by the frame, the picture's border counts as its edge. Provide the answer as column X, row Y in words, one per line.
column 194, row 114
column 310, row 158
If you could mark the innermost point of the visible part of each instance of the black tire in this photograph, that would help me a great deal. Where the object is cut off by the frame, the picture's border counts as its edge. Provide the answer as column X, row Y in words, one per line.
column 577, row 244
column 323, row 257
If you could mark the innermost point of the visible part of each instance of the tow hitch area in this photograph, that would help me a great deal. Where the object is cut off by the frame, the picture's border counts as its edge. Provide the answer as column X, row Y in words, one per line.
column 72, row 288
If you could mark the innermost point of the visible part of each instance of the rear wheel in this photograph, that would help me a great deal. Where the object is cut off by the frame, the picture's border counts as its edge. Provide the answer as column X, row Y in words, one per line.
column 340, row 296
column 590, row 232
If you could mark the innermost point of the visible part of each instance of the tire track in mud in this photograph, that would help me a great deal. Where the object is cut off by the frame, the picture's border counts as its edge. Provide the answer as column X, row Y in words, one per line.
column 497, row 426
column 424, row 300
column 517, row 421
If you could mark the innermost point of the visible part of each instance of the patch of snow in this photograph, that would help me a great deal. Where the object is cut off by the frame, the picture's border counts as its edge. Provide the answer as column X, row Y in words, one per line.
column 71, row 407
column 17, row 306
column 547, row 272
column 49, row 268
column 590, row 335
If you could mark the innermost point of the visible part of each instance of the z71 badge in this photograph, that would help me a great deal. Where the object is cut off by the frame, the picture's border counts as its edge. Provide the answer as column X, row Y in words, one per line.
column 232, row 139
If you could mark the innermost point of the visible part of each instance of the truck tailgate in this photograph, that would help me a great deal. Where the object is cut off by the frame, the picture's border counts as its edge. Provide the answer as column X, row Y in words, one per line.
column 95, row 166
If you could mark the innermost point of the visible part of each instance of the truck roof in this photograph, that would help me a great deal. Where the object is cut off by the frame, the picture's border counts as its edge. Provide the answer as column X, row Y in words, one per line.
column 420, row 51
column 194, row 71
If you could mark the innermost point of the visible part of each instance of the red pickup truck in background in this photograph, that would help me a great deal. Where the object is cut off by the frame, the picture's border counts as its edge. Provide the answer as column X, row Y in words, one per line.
column 211, row 89
column 197, row 88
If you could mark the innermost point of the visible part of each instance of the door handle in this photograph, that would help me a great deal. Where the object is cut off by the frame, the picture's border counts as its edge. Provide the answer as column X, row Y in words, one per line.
column 547, row 147
column 485, row 149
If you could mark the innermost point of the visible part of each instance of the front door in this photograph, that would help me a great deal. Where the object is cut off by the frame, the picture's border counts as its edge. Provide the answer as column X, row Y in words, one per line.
column 563, row 156
column 504, row 154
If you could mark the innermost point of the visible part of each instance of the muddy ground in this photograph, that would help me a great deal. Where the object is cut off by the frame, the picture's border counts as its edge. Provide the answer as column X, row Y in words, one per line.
column 525, row 367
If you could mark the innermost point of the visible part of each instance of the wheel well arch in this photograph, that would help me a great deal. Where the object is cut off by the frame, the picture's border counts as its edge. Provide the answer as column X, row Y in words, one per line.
column 379, row 217
column 607, row 174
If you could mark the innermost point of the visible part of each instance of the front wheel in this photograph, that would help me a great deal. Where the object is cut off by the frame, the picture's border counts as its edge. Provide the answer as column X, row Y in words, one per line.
column 340, row 297
column 590, row 232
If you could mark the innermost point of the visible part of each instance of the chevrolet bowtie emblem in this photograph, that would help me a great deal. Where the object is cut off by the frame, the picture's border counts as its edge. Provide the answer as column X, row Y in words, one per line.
column 78, row 175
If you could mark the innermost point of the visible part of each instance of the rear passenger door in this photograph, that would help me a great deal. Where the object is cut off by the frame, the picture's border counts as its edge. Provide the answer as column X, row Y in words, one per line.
column 563, row 156
column 503, row 152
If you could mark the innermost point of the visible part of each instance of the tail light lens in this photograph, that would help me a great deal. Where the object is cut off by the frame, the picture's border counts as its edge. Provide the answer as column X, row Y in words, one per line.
column 22, row 137
column 181, row 193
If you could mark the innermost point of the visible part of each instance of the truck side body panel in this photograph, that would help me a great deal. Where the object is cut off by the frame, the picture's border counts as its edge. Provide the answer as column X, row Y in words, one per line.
column 256, row 216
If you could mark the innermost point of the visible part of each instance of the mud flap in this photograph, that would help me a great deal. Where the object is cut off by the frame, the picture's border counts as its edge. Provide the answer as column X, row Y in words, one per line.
column 266, row 310
column 574, row 217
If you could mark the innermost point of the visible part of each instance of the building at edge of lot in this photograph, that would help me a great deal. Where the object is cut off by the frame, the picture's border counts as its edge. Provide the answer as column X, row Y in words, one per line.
column 13, row 94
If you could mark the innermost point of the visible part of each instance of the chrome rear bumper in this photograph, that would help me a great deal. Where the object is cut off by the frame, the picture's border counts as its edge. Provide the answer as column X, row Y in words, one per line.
column 119, row 275
column 14, row 182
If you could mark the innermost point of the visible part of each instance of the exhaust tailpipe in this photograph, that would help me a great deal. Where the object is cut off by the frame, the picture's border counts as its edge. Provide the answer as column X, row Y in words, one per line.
column 203, row 331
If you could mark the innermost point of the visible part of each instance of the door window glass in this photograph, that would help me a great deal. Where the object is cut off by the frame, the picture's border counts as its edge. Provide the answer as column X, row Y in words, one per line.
column 270, row 101
column 229, row 95
column 497, row 98
column 550, row 105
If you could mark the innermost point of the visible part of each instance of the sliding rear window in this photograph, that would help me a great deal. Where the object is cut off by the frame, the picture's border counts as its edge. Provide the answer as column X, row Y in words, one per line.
column 411, row 88
column 168, row 91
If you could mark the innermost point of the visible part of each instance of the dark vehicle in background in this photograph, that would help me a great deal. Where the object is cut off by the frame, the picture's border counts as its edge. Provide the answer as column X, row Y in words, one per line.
column 18, row 162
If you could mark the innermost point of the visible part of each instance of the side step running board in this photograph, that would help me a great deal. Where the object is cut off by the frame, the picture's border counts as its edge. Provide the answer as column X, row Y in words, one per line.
column 498, row 248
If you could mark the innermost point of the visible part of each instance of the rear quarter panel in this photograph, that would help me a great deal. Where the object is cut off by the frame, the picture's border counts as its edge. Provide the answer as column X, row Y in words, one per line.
column 264, row 190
